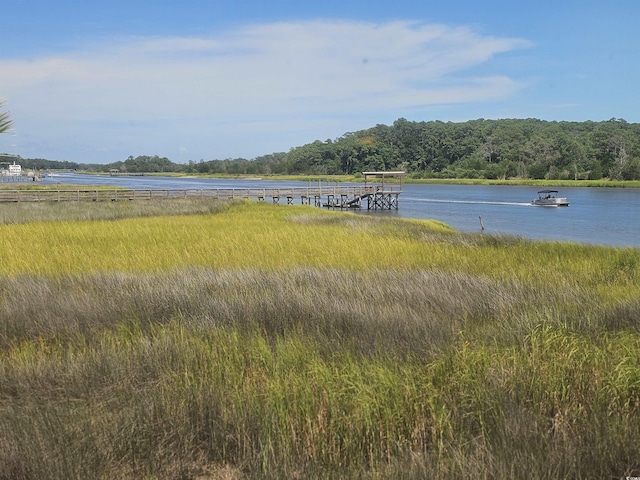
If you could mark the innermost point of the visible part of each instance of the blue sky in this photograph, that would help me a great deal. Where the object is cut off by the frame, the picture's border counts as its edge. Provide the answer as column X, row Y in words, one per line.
column 97, row 81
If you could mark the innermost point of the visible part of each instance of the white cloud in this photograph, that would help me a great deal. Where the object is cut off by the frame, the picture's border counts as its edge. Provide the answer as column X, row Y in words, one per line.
column 189, row 86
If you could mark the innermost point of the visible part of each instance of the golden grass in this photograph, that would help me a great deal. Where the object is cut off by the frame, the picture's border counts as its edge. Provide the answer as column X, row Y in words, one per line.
column 249, row 236
column 185, row 340
column 268, row 237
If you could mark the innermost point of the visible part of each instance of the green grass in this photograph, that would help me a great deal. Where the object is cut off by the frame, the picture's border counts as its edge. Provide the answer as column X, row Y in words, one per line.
column 530, row 182
column 262, row 236
column 314, row 179
column 241, row 340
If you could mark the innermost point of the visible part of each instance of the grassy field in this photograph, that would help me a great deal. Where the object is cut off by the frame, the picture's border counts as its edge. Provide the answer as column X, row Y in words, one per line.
column 193, row 339
column 452, row 181
column 357, row 178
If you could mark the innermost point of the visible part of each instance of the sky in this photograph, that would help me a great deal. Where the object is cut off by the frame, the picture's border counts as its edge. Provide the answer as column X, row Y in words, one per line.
column 98, row 81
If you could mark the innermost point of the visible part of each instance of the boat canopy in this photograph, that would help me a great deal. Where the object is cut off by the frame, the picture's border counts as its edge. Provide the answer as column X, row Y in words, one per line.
column 548, row 191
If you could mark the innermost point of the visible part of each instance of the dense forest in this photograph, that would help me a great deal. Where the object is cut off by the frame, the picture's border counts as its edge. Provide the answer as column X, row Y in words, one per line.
column 492, row 149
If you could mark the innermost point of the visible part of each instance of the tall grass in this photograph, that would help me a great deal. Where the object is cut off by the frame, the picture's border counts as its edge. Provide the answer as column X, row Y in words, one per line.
column 604, row 183
column 256, row 341
column 262, row 236
column 29, row 212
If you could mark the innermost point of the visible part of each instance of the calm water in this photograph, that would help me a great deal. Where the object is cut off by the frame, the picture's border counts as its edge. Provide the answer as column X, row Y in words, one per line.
column 606, row 216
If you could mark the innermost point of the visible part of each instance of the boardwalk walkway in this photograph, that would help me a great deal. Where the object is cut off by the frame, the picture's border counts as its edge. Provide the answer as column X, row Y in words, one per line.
column 321, row 196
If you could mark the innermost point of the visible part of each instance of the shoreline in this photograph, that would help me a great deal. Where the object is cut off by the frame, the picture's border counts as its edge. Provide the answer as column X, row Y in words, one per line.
column 357, row 178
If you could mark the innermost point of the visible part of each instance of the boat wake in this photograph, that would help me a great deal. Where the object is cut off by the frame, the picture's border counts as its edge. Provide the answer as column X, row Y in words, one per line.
column 469, row 202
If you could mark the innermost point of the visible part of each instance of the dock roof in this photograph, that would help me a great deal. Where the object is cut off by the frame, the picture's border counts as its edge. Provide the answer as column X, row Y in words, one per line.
column 384, row 174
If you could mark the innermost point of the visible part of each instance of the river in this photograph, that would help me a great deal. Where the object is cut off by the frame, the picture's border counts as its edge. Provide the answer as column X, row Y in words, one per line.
column 601, row 216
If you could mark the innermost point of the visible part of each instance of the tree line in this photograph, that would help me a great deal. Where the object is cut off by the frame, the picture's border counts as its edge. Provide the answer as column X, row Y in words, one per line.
column 491, row 149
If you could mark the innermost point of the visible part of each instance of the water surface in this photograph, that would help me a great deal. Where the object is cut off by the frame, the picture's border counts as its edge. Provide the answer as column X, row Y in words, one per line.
column 603, row 216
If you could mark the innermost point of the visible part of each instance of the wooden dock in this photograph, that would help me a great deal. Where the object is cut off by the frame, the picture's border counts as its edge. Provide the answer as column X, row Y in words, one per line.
column 342, row 197
column 19, row 178
column 376, row 194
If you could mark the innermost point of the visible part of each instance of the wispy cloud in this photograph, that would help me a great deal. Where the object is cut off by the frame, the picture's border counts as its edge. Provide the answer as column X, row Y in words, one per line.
column 325, row 69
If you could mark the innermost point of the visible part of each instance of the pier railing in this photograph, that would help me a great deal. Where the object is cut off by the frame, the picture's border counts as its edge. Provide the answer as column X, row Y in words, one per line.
column 216, row 193
column 320, row 196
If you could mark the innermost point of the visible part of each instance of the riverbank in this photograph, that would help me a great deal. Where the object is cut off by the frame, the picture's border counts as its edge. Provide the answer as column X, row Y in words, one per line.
column 444, row 181
column 359, row 178
column 608, row 212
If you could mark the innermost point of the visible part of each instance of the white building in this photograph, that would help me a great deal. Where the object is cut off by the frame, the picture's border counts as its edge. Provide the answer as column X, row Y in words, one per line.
column 15, row 170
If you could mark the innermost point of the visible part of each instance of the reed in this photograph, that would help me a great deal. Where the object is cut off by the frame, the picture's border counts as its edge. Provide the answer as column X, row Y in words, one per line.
column 29, row 212
column 262, row 236
column 605, row 183
column 411, row 352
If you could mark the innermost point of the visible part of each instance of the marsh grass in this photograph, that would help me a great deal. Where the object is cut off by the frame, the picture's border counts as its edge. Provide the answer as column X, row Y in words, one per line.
column 606, row 183
column 30, row 212
column 345, row 347
column 260, row 236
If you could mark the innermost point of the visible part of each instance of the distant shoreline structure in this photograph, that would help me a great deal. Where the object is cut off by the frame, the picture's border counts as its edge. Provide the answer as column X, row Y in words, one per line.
column 14, row 173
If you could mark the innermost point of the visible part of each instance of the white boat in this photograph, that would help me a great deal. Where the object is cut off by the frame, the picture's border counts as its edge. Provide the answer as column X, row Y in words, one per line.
column 550, row 198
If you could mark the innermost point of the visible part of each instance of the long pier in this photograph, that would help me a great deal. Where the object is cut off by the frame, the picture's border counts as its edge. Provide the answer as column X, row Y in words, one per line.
column 343, row 197
column 19, row 178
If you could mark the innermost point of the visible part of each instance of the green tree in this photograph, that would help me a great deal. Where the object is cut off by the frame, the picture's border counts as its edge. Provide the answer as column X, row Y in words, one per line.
column 5, row 119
